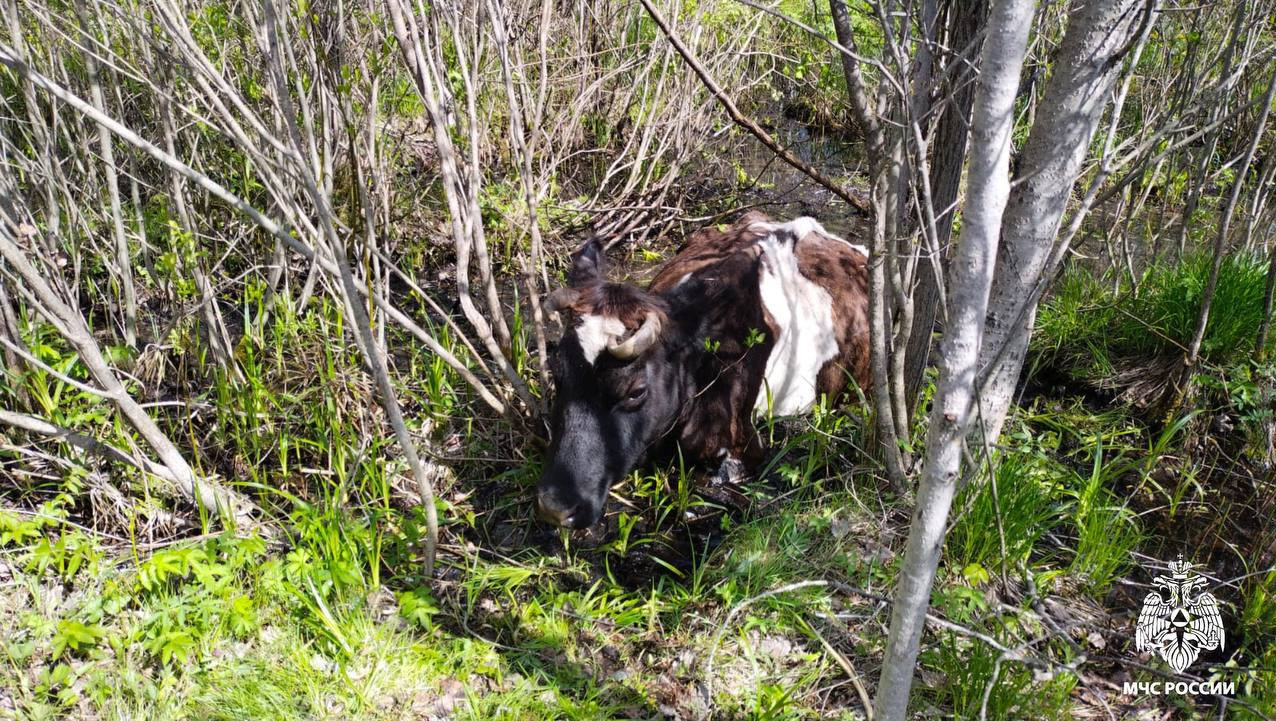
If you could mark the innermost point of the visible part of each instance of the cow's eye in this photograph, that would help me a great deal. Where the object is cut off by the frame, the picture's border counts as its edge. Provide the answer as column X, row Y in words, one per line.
column 634, row 397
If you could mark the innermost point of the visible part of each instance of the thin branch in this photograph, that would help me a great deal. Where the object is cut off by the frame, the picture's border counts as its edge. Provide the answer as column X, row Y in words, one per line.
column 90, row 444
column 859, row 203
column 9, row 58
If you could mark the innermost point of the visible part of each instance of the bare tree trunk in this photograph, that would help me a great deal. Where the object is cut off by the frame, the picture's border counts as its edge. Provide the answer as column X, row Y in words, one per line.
column 41, row 133
column 523, row 148
column 1085, row 68
column 350, row 294
column 416, row 38
column 884, row 168
column 969, row 282
column 1258, row 204
column 965, row 21
column 11, row 337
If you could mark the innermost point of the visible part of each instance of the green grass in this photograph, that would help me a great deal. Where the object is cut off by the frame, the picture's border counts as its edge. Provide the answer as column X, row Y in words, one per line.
column 1000, row 521
column 1259, row 626
column 1086, row 326
column 331, row 619
column 972, row 681
column 1061, row 475
column 1106, row 528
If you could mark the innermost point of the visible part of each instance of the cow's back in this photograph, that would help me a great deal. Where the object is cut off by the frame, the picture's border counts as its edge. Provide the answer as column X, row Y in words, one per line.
column 812, row 288
column 708, row 247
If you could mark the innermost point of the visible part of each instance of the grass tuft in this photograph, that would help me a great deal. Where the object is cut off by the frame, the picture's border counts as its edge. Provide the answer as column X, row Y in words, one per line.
column 1088, row 328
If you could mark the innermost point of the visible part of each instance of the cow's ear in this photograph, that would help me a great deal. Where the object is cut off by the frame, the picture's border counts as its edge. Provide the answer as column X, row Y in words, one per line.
column 687, row 303
column 587, row 264
column 688, row 292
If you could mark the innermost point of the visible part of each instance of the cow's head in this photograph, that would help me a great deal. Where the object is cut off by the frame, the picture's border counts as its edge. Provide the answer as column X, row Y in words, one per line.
column 620, row 388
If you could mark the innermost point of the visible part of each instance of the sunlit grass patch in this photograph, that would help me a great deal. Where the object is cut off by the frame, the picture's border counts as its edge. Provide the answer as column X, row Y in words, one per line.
column 974, row 681
column 289, row 676
column 1088, row 327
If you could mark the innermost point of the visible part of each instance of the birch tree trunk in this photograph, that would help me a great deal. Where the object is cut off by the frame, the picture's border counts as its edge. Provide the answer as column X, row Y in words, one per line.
column 969, row 282
column 1085, row 68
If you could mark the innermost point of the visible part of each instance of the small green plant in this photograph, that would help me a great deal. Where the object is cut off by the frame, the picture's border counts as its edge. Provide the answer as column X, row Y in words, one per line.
column 74, row 636
column 976, row 683
column 418, row 607
column 1258, row 623
column 1002, row 519
column 1107, row 530
column 66, row 555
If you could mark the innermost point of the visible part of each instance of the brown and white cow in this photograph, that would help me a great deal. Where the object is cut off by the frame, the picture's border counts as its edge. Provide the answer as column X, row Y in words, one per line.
column 762, row 317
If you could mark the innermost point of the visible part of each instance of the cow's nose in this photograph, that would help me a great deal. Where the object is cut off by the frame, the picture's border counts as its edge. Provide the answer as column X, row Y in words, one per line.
column 552, row 512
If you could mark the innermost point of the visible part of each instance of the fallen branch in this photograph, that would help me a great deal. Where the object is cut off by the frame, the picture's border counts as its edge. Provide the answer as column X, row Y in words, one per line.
column 39, row 426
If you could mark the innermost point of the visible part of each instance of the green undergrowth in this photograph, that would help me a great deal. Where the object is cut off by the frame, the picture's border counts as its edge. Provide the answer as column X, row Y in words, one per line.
column 331, row 619
column 1089, row 328
column 1196, row 482
column 121, row 611
column 333, row 622
column 1127, row 344
column 1063, row 473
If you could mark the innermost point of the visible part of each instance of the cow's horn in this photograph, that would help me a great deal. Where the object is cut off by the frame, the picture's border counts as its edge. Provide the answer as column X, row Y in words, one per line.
column 560, row 299
column 641, row 340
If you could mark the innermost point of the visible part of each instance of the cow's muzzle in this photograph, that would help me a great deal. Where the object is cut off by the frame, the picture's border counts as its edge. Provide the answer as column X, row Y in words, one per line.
column 568, row 514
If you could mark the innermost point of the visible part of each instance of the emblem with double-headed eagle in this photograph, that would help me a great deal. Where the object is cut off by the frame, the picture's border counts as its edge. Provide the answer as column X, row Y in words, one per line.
column 1178, row 619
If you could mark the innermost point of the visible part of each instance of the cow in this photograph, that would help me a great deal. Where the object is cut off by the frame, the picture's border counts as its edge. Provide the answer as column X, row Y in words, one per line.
column 759, row 318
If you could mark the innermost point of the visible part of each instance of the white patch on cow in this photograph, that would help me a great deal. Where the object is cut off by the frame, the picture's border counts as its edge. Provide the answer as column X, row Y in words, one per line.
column 594, row 331
column 855, row 247
column 803, row 315
column 800, row 227
column 683, row 279
column 804, row 226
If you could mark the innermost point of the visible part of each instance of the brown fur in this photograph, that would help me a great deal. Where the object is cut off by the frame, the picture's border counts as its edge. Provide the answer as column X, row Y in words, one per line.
column 726, row 260
column 721, row 416
column 830, row 263
column 706, row 247
column 618, row 300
